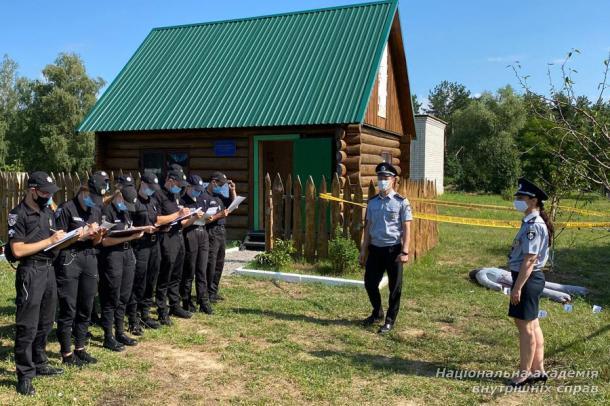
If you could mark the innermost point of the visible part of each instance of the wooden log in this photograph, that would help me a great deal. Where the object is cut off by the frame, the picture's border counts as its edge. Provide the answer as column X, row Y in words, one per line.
column 340, row 133
column 357, row 215
column 288, row 208
column 341, row 170
column 218, row 164
column 278, row 205
column 372, row 140
column 335, row 207
column 341, row 156
column 322, row 237
column 369, row 170
column 297, row 219
column 370, row 149
column 367, row 159
column 310, row 220
column 268, row 201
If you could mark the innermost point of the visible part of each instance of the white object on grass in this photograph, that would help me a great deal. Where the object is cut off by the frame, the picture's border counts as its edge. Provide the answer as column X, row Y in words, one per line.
column 597, row 309
column 542, row 314
column 300, row 278
column 568, row 308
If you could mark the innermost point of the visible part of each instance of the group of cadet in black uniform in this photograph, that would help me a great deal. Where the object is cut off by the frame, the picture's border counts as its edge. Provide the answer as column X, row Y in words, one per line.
column 130, row 271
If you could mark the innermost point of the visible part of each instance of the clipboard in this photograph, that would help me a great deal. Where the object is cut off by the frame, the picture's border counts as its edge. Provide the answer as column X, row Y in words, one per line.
column 235, row 203
column 127, row 232
column 67, row 237
column 192, row 213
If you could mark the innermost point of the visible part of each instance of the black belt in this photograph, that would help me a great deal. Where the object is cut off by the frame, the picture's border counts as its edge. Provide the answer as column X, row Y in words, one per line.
column 84, row 251
column 120, row 247
column 37, row 262
column 147, row 238
column 195, row 228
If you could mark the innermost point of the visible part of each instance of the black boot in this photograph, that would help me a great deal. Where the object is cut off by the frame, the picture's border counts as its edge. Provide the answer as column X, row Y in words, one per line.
column 373, row 318
column 84, row 356
column 180, row 312
column 122, row 338
column 47, row 370
column 72, row 361
column 206, row 307
column 188, row 306
column 164, row 319
column 112, row 344
column 25, row 387
column 135, row 328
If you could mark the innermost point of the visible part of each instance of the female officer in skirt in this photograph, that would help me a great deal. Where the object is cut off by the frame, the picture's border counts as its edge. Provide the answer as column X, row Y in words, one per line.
column 77, row 271
column 118, row 268
column 529, row 254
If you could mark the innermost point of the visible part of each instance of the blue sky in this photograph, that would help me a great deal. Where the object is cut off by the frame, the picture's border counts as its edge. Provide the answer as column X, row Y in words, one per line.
column 468, row 41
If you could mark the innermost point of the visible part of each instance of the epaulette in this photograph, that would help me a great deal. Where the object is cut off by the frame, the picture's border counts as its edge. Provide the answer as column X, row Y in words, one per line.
column 399, row 197
column 532, row 220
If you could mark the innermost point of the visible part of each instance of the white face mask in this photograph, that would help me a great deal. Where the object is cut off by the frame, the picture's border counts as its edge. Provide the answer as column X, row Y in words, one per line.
column 384, row 184
column 520, row 205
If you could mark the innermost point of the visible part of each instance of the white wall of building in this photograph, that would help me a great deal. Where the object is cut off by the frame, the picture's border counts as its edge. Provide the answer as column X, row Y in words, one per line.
column 428, row 151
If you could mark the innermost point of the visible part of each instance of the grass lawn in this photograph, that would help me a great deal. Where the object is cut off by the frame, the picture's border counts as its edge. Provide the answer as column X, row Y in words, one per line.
column 280, row 343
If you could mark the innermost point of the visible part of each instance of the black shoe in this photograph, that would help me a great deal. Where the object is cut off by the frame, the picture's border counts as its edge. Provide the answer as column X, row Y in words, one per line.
column 135, row 328
column 112, row 344
column 386, row 328
column 189, row 306
column 149, row 323
column 84, row 356
column 25, row 387
column 164, row 320
column 47, row 370
column 537, row 377
column 180, row 313
column 216, row 298
column 206, row 308
column 369, row 321
column 514, row 384
column 124, row 339
column 72, row 361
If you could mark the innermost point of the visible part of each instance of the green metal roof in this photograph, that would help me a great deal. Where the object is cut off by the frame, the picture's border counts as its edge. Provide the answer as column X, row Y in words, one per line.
column 302, row 68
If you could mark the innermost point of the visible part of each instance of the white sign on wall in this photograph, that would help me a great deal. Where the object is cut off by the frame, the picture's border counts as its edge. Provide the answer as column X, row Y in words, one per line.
column 382, row 91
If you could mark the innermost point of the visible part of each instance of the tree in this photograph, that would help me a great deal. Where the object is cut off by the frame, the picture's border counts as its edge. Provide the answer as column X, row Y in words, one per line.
column 416, row 104
column 8, row 105
column 482, row 147
column 57, row 104
column 446, row 98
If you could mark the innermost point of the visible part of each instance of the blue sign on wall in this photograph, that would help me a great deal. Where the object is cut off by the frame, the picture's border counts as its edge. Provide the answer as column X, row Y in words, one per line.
column 224, row 148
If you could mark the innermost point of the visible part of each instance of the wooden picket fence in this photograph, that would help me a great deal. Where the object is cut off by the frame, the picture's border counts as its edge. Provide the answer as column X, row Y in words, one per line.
column 13, row 185
column 310, row 232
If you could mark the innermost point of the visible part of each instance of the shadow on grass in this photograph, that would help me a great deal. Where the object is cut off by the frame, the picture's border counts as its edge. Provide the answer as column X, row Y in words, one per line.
column 296, row 317
column 400, row 365
column 571, row 344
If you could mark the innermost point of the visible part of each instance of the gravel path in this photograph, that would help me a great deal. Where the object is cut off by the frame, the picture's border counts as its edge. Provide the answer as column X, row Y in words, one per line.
column 235, row 259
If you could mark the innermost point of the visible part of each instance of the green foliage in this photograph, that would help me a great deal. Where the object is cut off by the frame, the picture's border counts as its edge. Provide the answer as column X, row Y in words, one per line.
column 416, row 104
column 446, row 98
column 279, row 257
column 41, row 116
column 482, row 148
column 343, row 253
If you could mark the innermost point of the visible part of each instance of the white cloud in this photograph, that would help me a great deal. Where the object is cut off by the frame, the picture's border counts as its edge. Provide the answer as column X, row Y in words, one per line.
column 504, row 59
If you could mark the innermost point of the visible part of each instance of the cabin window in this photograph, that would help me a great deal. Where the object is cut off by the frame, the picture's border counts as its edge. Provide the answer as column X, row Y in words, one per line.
column 382, row 80
column 159, row 161
column 386, row 156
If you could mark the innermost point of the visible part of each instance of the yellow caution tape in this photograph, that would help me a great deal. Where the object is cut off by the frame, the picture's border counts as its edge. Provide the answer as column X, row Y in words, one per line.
column 478, row 222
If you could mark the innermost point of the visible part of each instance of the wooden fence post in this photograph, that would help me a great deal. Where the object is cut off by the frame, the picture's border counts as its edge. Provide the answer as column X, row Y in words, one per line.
column 268, row 201
column 347, row 208
column 322, row 223
column 278, row 208
column 357, row 213
column 288, row 208
column 310, row 220
column 297, row 217
column 335, row 207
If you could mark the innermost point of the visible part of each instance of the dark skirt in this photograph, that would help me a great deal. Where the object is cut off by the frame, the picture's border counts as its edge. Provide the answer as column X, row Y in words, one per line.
column 527, row 309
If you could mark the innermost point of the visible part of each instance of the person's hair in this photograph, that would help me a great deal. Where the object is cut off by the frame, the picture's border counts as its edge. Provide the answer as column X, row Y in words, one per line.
column 108, row 199
column 547, row 220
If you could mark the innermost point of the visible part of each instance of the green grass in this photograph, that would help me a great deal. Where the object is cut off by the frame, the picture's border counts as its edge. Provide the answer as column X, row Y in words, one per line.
column 279, row 343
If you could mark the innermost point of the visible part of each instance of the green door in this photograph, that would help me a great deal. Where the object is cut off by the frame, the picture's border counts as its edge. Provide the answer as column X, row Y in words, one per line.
column 312, row 156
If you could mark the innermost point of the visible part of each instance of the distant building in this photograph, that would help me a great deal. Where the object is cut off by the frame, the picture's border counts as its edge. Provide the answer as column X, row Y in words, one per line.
column 428, row 150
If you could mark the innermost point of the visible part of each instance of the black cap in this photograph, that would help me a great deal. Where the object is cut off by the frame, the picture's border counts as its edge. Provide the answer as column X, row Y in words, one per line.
column 125, row 180
column 527, row 188
column 196, row 182
column 98, row 187
column 151, row 180
column 130, row 196
column 104, row 175
column 175, row 167
column 219, row 177
column 386, row 169
column 177, row 175
column 42, row 181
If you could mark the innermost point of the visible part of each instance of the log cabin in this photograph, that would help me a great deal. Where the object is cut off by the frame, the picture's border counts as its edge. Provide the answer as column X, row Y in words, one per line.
column 308, row 93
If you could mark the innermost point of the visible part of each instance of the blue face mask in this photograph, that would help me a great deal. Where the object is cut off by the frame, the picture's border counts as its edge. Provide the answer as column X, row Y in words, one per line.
column 175, row 189
column 121, row 206
column 88, row 201
column 195, row 193
column 217, row 189
column 149, row 192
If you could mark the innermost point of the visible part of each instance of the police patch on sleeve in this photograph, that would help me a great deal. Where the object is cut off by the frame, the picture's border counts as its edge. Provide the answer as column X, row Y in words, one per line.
column 11, row 233
column 531, row 235
column 12, row 219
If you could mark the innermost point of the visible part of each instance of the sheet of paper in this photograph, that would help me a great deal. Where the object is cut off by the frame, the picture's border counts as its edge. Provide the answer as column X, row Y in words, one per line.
column 192, row 213
column 235, row 203
column 67, row 237
column 126, row 232
column 107, row 225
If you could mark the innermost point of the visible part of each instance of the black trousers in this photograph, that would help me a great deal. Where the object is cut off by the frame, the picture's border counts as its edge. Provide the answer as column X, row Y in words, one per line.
column 216, row 258
column 197, row 246
column 36, row 301
column 170, row 273
column 380, row 260
column 148, row 261
column 76, row 288
column 116, row 283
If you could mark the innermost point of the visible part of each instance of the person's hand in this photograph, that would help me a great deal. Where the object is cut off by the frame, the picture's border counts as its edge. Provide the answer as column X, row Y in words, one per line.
column 199, row 215
column 93, row 230
column 515, row 296
column 362, row 258
column 57, row 235
column 402, row 258
column 137, row 235
column 151, row 229
column 184, row 211
column 224, row 213
column 231, row 184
